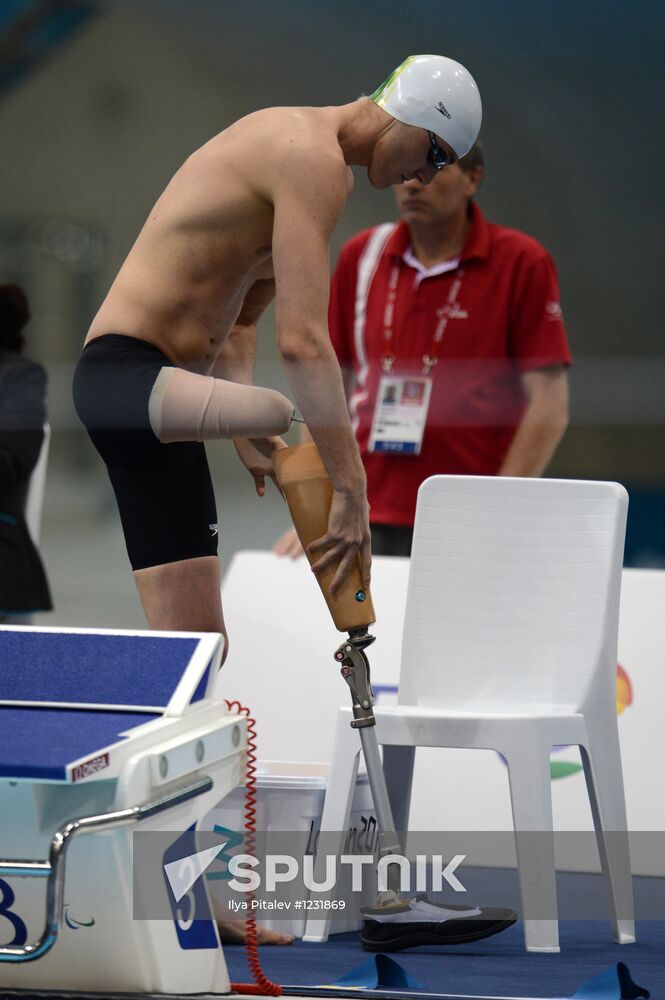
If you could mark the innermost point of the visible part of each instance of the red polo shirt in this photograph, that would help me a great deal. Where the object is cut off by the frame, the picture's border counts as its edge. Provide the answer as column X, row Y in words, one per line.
column 502, row 318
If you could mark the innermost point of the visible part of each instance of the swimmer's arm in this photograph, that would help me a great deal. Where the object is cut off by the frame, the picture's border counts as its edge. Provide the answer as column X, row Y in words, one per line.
column 236, row 357
column 235, row 362
column 309, row 196
column 308, row 202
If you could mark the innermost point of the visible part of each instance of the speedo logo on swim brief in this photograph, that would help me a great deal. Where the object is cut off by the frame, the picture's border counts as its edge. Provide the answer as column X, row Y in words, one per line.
column 443, row 109
column 213, row 529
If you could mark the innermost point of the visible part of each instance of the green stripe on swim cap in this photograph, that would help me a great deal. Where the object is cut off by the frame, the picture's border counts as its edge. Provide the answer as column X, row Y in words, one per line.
column 383, row 91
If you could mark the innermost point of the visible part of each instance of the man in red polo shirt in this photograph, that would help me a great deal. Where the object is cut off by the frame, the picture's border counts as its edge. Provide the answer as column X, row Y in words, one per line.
column 449, row 331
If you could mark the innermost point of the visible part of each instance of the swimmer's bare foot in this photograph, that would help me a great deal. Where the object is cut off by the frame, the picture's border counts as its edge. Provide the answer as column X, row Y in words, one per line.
column 233, row 932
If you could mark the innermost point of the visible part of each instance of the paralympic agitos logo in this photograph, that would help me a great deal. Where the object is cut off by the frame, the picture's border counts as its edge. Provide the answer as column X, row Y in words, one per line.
column 624, row 692
column 75, row 924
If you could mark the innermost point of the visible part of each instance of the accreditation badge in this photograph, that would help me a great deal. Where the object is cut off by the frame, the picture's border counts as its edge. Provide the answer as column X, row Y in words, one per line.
column 400, row 414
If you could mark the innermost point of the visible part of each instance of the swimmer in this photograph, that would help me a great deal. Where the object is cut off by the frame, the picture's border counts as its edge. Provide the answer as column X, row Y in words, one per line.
column 168, row 362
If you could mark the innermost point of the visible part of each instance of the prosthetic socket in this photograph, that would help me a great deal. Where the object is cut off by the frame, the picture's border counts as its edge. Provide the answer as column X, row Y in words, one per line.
column 184, row 406
column 308, row 491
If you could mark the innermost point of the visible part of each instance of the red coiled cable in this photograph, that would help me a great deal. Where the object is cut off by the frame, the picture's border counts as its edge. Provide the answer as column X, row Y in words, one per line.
column 261, row 983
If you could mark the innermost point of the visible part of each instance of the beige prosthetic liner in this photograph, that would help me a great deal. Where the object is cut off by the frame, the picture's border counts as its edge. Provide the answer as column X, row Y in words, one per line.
column 308, row 491
column 184, row 406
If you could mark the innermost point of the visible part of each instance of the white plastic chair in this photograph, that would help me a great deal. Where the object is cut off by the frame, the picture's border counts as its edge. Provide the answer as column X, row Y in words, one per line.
column 509, row 644
column 34, row 503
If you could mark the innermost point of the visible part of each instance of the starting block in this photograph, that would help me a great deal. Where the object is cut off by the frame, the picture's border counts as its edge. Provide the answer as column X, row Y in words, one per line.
column 103, row 733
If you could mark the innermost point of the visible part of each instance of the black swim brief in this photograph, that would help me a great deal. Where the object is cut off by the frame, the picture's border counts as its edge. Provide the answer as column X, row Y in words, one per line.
column 164, row 491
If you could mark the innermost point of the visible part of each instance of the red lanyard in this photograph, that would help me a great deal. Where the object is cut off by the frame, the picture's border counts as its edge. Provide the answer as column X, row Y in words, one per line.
column 430, row 357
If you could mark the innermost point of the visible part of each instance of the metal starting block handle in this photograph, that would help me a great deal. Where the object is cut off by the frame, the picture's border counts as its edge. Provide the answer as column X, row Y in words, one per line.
column 54, row 868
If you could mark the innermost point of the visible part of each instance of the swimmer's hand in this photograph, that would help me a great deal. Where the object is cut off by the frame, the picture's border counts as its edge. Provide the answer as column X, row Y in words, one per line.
column 288, row 544
column 347, row 536
column 256, row 456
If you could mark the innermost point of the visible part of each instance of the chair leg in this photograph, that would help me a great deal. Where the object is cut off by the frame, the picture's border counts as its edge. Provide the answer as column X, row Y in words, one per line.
column 336, row 813
column 601, row 758
column 398, row 764
column 531, row 798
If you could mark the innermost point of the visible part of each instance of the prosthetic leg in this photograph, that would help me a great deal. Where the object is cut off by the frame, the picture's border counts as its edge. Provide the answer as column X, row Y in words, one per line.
column 394, row 923
column 308, row 491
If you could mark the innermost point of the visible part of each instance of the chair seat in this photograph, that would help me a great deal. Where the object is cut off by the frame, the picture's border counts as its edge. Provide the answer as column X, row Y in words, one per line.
column 409, row 725
column 426, row 712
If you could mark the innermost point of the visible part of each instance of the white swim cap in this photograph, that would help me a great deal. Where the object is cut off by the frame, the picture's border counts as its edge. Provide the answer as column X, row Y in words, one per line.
column 437, row 94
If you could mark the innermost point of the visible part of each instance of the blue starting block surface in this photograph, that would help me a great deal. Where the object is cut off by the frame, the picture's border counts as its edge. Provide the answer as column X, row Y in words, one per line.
column 39, row 743
column 71, row 699
column 92, row 668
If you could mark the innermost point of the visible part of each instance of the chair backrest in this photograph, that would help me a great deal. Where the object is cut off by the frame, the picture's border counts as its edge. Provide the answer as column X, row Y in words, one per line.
column 34, row 503
column 513, row 596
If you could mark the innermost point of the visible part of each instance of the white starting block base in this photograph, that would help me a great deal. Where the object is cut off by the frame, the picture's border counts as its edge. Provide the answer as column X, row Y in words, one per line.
column 155, row 690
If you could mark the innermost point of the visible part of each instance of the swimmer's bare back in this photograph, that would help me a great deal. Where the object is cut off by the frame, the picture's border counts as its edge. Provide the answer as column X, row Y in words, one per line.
column 209, row 237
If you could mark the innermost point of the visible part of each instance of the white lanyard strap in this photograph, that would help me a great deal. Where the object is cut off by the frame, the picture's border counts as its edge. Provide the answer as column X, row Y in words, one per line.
column 367, row 265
